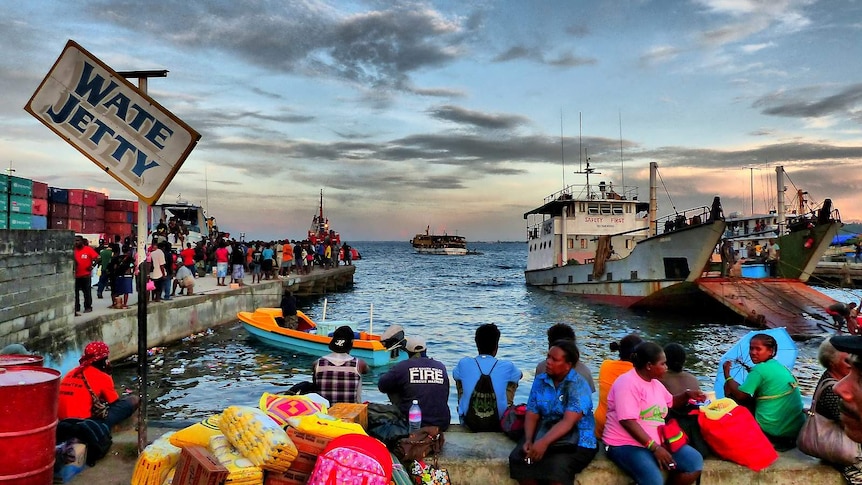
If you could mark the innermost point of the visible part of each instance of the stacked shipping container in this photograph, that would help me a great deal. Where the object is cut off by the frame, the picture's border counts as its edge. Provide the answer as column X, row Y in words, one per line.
column 28, row 204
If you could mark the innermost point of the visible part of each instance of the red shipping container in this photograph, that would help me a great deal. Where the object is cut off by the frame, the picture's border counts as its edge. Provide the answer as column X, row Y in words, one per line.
column 89, row 213
column 121, row 205
column 121, row 229
column 100, row 213
column 89, row 199
column 100, row 199
column 40, row 190
column 39, row 207
column 60, row 211
column 115, row 216
column 76, row 196
column 60, row 223
column 76, row 225
column 197, row 466
column 93, row 227
column 76, row 211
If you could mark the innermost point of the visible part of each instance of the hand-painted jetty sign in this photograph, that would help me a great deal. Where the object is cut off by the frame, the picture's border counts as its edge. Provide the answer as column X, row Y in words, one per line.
column 110, row 121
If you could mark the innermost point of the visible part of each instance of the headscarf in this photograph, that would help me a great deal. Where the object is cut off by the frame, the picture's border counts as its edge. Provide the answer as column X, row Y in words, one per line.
column 94, row 352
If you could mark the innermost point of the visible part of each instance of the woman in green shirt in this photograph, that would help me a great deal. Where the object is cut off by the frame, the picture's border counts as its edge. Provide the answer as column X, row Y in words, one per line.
column 772, row 389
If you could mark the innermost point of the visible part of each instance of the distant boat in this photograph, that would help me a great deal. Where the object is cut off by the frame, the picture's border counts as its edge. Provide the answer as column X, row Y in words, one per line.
column 439, row 244
column 803, row 237
column 604, row 243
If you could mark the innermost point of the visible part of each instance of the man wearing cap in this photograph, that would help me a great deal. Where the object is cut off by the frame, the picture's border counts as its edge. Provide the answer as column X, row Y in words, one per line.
column 419, row 378
column 849, row 388
column 338, row 376
column 93, row 373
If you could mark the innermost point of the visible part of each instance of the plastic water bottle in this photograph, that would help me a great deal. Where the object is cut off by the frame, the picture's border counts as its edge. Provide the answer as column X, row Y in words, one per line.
column 414, row 417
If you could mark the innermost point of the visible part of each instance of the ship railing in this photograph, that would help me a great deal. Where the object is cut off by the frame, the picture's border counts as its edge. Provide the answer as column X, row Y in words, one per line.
column 594, row 192
column 680, row 220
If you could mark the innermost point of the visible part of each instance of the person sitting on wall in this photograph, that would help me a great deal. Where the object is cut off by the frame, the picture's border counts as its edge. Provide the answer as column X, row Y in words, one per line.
column 422, row 379
column 338, row 376
column 91, row 377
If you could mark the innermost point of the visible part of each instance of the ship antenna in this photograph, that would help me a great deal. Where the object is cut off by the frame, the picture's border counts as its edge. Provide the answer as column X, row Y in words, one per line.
column 622, row 168
column 562, row 152
column 580, row 141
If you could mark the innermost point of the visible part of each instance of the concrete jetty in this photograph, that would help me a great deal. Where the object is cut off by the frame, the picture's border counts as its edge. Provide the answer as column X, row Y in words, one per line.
column 172, row 320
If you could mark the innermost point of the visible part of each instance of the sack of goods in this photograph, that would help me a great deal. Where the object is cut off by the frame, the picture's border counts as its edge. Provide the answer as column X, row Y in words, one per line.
column 241, row 471
column 324, row 426
column 257, row 437
column 732, row 432
column 155, row 462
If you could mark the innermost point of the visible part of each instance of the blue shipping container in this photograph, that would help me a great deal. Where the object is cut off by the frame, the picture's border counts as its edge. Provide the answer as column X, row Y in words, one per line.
column 38, row 222
column 58, row 195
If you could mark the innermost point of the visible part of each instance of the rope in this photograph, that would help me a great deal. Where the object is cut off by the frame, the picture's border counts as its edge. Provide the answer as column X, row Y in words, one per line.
column 666, row 191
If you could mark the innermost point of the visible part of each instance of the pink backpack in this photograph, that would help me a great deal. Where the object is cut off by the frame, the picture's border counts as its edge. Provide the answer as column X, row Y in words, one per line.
column 352, row 459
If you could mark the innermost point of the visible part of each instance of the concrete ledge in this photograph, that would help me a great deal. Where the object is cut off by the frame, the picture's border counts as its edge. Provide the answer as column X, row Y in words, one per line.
column 482, row 458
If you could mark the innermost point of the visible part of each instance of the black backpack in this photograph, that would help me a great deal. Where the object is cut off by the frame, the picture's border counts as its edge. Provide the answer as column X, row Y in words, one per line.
column 482, row 413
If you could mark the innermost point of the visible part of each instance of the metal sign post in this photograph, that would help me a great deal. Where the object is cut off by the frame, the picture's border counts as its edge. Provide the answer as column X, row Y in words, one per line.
column 127, row 134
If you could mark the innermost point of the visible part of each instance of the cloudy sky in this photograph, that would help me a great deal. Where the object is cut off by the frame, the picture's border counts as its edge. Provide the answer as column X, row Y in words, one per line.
column 461, row 115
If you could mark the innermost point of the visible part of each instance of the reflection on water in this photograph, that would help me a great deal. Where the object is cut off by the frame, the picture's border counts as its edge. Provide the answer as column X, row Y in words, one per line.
column 443, row 299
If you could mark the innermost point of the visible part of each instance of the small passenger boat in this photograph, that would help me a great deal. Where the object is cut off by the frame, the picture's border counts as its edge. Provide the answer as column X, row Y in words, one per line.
column 311, row 338
column 439, row 244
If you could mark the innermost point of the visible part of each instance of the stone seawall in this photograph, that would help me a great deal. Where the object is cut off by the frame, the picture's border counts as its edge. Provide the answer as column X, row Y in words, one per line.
column 37, row 284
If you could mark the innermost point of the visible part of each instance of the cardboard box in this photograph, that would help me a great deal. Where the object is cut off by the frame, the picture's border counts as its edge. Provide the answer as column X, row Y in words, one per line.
column 289, row 477
column 351, row 413
column 197, row 466
column 308, row 443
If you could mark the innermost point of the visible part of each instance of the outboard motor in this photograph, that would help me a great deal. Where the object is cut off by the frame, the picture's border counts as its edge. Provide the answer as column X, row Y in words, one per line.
column 393, row 337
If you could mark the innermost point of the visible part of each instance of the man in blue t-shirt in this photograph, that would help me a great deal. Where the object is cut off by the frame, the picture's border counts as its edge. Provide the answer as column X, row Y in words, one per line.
column 504, row 374
column 420, row 378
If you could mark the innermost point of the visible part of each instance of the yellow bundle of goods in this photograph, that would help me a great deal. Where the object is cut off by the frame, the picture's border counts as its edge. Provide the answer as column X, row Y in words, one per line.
column 169, row 480
column 718, row 408
column 155, row 462
column 241, row 471
column 324, row 425
column 197, row 434
column 257, row 437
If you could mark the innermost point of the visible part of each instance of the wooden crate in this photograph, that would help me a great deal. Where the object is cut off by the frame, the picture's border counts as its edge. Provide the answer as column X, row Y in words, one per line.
column 197, row 466
column 351, row 413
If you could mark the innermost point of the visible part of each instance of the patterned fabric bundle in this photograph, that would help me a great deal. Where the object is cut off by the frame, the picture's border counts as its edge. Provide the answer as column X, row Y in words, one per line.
column 257, row 437
column 155, row 462
column 281, row 407
column 241, row 471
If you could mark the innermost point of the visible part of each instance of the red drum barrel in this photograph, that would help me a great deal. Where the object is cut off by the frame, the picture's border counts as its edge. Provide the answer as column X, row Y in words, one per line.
column 28, row 424
column 17, row 360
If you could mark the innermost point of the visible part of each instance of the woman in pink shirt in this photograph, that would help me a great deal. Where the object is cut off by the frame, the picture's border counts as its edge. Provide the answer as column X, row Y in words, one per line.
column 637, row 405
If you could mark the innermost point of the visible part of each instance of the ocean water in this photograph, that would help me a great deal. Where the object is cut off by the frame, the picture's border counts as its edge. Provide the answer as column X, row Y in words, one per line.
column 442, row 299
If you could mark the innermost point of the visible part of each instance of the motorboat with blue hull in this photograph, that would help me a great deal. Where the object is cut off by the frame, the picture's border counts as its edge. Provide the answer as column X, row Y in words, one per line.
column 313, row 338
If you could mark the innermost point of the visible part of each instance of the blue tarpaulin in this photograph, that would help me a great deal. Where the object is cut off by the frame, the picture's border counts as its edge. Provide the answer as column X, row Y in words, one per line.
column 840, row 239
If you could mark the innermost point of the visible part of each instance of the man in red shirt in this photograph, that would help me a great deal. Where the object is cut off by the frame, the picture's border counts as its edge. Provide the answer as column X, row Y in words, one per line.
column 85, row 258
column 188, row 257
column 91, row 377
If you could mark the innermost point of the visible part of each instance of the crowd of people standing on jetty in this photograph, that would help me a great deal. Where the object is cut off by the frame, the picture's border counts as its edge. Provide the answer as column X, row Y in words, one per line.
column 173, row 269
